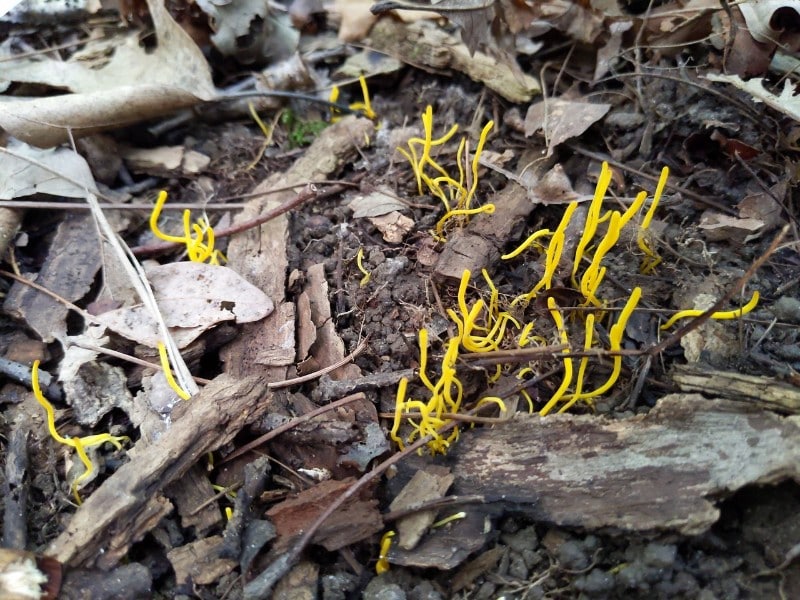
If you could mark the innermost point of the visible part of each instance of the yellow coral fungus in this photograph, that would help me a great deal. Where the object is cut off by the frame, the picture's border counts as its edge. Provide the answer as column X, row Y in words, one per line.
column 719, row 315
column 162, row 354
column 430, row 175
column 198, row 249
column 383, row 561
column 360, row 264
column 80, row 444
column 651, row 260
column 555, row 312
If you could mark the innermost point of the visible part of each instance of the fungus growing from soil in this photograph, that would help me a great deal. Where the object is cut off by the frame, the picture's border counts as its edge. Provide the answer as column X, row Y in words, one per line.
column 455, row 194
column 78, row 443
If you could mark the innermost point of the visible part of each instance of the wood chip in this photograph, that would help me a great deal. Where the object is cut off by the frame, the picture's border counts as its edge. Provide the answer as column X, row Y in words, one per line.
column 660, row 471
column 200, row 425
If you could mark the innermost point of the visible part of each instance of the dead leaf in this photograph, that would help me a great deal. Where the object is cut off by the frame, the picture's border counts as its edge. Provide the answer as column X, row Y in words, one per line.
column 423, row 43
column 165, row 160
column 562, row 119
column 380, row 201
column 192, row 298
column 768, row 22
column 718, row 226
column 787, row 102
column 393, row 227
column 249, row 31
column 133, row 86
column 20, row 177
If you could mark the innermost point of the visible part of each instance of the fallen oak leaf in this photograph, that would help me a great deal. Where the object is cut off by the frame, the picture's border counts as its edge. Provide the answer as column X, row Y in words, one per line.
column 192, row 297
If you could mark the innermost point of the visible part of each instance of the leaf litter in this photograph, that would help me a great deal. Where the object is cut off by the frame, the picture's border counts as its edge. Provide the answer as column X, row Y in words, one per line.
column 403, row 290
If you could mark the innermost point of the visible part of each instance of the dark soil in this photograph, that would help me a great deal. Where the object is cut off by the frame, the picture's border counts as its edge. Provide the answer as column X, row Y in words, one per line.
column 747, row 554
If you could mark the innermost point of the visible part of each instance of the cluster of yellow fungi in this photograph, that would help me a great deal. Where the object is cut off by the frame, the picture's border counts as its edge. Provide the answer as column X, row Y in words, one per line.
column 486, row 326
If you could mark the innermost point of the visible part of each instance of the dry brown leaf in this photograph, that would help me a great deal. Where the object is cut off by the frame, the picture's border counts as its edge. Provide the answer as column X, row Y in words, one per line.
column 192, row 297
column 133, row 86
column 393, row 226
column 20, row 177
column 767, row 21
column 787, row 102
column 562, row 119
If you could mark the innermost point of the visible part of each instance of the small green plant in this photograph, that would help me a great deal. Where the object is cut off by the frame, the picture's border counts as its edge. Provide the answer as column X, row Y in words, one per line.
column 300, row 132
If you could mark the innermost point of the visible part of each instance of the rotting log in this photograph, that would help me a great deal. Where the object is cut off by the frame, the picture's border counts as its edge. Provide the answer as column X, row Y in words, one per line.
column 659, row 471
column 766, row 392
column 200, row 425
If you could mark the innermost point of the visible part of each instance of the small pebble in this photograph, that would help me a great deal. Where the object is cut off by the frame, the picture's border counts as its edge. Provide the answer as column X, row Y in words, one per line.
column 596, row 583
column 786, row 309
column 659, row 555
column 573, row 556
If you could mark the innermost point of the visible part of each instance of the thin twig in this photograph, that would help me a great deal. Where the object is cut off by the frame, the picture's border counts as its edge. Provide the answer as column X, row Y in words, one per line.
column 263, row 439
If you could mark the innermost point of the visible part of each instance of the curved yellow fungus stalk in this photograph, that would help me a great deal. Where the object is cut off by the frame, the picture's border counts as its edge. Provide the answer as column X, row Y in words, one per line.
column 492, row 400
column 456, row 212
column 528, row 242
column 555, row 312
column 80, row 444
column 652, row 259
column 423, row 359
column 719, row 315
column 360, row 264
column 587, row 345
column 554, row 249
column 162, row 353
column 615, row 336
column 524, row 337
column 594, row 274
column 399, row 407
column 475, row 162
column 552, row 256
column 450, row 519
column 383, row 562
column 197, row 248
column 88, row 468
column 592, row 218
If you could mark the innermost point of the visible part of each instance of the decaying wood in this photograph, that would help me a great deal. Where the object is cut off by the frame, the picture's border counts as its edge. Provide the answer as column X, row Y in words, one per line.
column 478, row 245
column 659, row 471
column 766, row 392
column 191, row 491
column 15, row 486
column 69, row 271
column 420, row 43
column 356, row 520
column 200, row 562
column 200, row 425
column 429, row 484
column 266, row 348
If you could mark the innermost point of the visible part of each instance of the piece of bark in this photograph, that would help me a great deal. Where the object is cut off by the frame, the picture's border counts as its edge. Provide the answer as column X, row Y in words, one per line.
column 189, row 492
column 200, row 425
column 447, row 547
column 259, row 255
column 429, row 484
column 478, row 245
column 427, row 45
column 15, row 486
column 199, row 562
column 766, row 392
column 660, row 471
column 356, row 520
column 69, row 270
column 128, row 582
